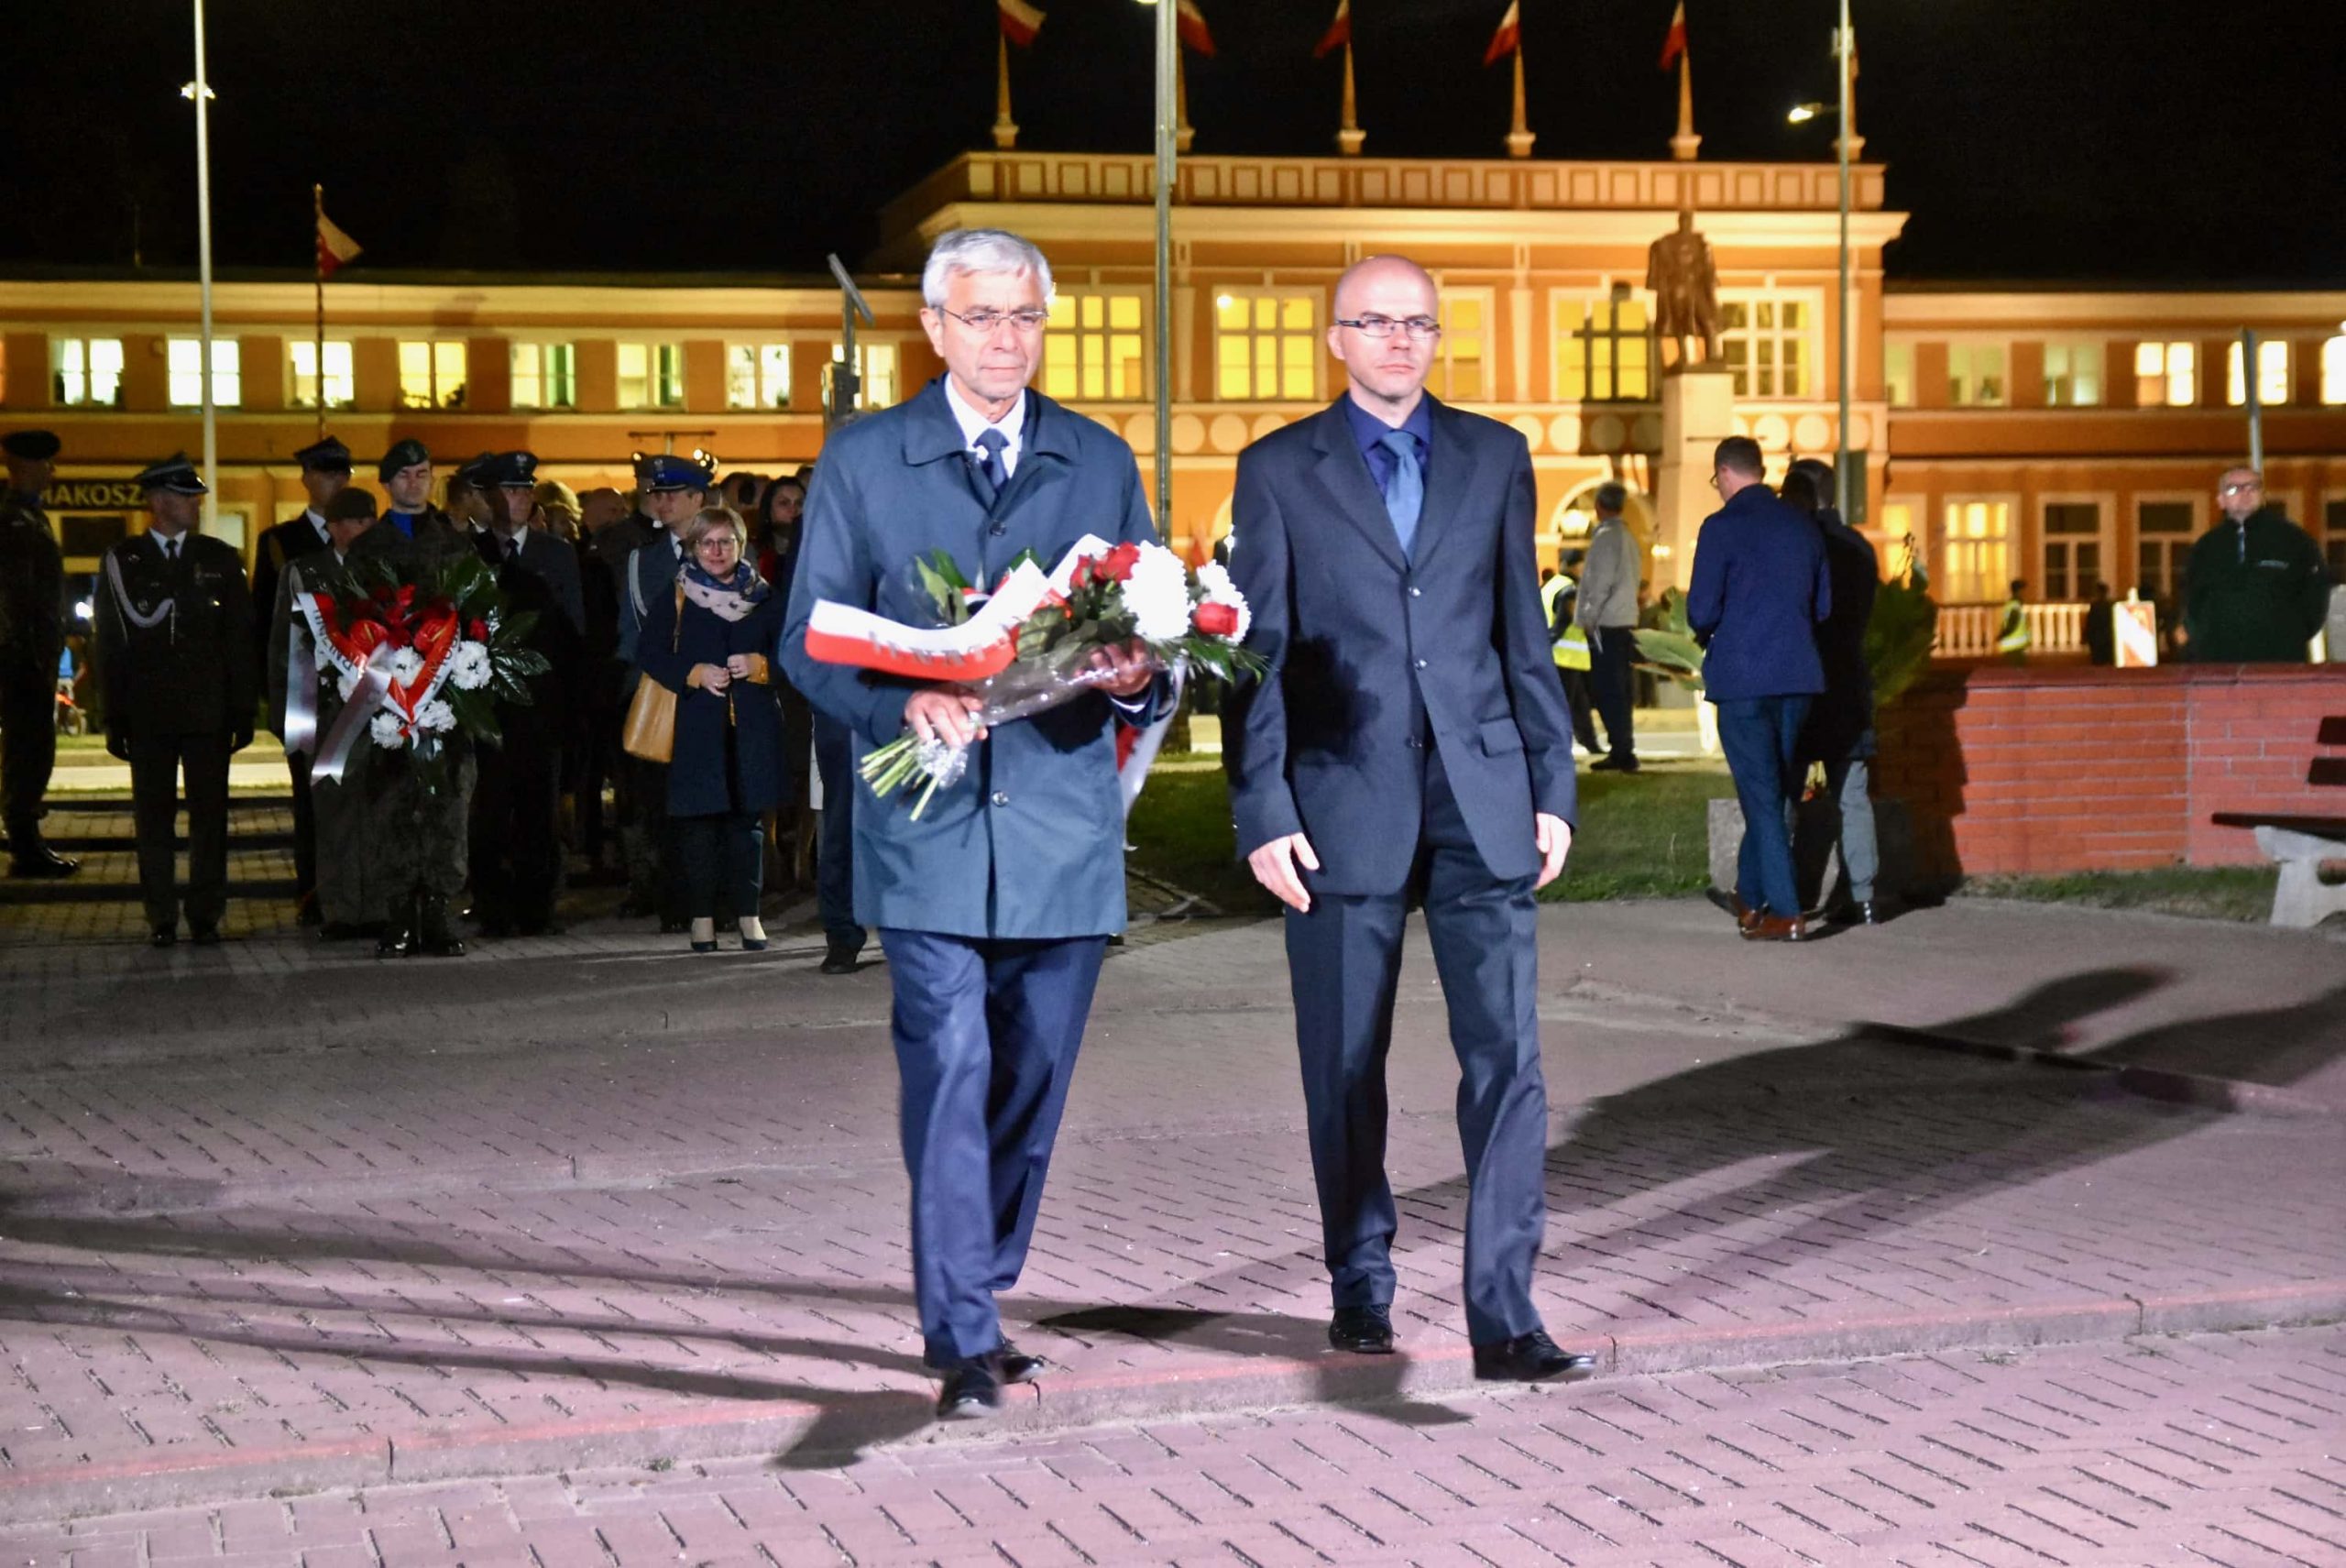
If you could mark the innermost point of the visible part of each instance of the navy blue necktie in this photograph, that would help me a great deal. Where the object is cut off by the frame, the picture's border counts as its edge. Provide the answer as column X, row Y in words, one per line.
column 1405, row 491
column 990, row 466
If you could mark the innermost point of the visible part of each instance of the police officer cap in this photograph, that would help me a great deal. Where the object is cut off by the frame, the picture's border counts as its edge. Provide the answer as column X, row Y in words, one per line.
column 32, row 446
column 667, row 471
column 513, row 471
column 475, row 473
column 174, row 473
column 327, row 456
column 404, row 455
column 351, row 505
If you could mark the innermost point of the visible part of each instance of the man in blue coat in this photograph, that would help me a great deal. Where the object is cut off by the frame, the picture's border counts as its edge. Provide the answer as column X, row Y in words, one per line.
column 995, row 908
column 1762, row 585
column 1409, row 742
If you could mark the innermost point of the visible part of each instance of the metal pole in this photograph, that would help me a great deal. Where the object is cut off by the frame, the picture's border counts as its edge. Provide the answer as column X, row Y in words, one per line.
column 1849, row 348
column 845, row 380
column 204, row 274
column 1169, row 56
column 2248, row 379
column 318, row 229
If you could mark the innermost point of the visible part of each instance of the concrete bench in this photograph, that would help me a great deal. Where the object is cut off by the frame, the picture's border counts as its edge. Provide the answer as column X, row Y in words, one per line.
column 2309, row 850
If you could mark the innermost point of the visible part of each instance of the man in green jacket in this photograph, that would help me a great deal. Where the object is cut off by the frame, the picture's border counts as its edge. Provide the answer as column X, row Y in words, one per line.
column 2255, row 588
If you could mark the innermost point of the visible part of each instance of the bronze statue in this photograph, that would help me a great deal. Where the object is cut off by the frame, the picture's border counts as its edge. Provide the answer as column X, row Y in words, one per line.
column 1686, row 289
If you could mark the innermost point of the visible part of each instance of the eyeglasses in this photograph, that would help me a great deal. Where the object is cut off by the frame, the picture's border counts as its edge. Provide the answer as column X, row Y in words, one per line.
column 717, row 541
column 1419, row 328
column 1715, row 481
column 2239, row 490
column 983, row 322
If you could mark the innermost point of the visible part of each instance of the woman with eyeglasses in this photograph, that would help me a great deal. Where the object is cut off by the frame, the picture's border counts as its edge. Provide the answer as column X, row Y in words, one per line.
column 707, row 643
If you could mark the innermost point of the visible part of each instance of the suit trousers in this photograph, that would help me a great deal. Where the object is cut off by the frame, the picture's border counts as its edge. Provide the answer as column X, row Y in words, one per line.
column 1611, row 650
column 1345, row 963
column 156, row 762
column 654, row 876
column 1761, row 735
column 986, row 1032
column 27, row 744
column 835, row 845
column 1582, row 704
column 1848, row 783
column 515, row 851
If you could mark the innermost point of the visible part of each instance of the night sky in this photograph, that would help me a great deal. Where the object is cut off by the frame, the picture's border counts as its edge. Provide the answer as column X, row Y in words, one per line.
column 2088, row 140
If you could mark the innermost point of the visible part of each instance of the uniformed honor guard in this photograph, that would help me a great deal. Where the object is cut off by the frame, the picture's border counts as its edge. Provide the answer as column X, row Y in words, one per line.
column 325, row 471
column 516, row 854
column 406, row 475
column 32, row 637
column 175, row 637
column 675, row 489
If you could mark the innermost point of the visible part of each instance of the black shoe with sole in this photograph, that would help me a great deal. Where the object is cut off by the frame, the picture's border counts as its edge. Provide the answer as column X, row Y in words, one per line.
column 39, row 860
column 203, row 936
column 1531, row 1358
column 1613, row 764
column 162, row 936
column 840, row 958
column 1016, row 1366
column 972, row 1389
column 1363, row 1331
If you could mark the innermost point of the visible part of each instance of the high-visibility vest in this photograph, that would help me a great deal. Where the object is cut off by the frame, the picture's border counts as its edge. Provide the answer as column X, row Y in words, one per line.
column 1570, row 649
column 2013, row 636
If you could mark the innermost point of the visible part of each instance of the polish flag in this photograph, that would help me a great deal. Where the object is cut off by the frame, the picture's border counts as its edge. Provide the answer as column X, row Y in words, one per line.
column 1509, row 38
column 1020, row 22
column 1192, row 24
column 334, row 248
column 1674, row 43
column 1339, row 33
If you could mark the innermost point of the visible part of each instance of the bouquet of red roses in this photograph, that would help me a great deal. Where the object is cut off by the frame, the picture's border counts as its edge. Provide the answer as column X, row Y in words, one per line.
column 1037, row 641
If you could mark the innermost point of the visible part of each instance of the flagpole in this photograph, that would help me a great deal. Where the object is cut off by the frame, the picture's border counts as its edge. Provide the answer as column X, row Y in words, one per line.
column 1682, row 144
column 1518, row 140
column 1349, row 136
column 1005, row 129
column 202, row 94
column 1171, row 137
column 318, row 257
column 1849, row 349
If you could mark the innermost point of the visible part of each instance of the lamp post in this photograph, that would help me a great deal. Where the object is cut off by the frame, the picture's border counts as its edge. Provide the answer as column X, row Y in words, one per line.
column 1168, row 59
column 1844, row 58
column 199, row 91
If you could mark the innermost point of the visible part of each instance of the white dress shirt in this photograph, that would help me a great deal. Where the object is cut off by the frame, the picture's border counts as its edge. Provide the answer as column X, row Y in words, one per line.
column 1012, row 426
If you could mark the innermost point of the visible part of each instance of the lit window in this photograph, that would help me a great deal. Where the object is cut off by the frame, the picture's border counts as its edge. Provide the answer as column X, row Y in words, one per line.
column 2272, row 375
column 1975, row 540
column 875, row 366
column 1975, row 375
column 185, row 359
column 2072, row 375
column 1462, row 363
column 2165, row 375
column 545, row 376
column 86, row 372
column 757, row 376
column 2167, row 529
column 1096, row 347
column 1266, row 347
column 1898, row 374
column 2072, row 550
column 1898, row 539
column 432, row 375
column 1604, row 350
column 2333, row 371
column 341, row 385
column 651, row 375
column 1766, row 340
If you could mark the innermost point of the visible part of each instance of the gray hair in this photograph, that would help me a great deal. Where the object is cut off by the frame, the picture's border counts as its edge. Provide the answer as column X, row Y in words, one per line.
column 1611, row 497
column 980, row 250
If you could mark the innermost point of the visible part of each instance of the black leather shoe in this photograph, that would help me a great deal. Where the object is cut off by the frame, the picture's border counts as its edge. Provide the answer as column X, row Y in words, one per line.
column 1745, row 916
column 1363, row 1331
column 162, row 936
column 434, row 939
column 39, row 860
column 972, row 1390
column 1531, row 1358
column 673, row 928
column 307, row 912
column 1016, row 1366
column 1613, row 764
column 203, row 936
column 396, row 938
column 839, row 958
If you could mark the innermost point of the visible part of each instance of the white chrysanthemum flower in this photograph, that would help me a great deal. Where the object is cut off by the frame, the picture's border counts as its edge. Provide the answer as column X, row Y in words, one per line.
column 387, row 731
column 468, row 667
column 1157, row 595
column 1214, row 579
column 435, row 716
column 405, row 665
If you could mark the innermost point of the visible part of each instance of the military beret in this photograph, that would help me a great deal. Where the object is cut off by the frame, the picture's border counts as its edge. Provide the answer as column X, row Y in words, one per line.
column 404, row 454
column 667, row 471
column 33, row 445
column 327, row 456
column 351, row 505
column 175, row 473
column 513, row 470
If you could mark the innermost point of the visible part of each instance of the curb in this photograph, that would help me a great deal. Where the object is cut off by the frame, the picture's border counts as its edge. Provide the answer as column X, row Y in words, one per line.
column 805, row 1434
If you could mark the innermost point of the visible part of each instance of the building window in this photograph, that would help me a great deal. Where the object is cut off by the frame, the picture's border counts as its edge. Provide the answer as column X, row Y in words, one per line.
column 1462, row 359
column 651, row 375
column 1975, row 566
column 1975, row 375
column 545, row 376
column 1898, row 539
column 2272, row 375
column 757, row 375
column 85, row 372
column 2072, row 550
column 1605, row 350
column 875, row 366
column 2072, row 375
column 1898, row 374
column 2164, row 531
column 1096, row 347
column 185, row 360
column 341, row 385
column 1766, row 340
column 432, row 375
column 2165, row 375
column 2333, row 371
column 1266, row 347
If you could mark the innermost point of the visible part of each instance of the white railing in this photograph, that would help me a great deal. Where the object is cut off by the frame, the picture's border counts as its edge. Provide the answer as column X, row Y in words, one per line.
column 1968, row 631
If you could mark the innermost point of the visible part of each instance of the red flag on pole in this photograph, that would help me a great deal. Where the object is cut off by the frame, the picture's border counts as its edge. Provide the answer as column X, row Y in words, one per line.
column 334, row 248
column 1674, row 43
column 1509, row 38
column 1192, row 24
column 1339, row 33
column 1020, row 22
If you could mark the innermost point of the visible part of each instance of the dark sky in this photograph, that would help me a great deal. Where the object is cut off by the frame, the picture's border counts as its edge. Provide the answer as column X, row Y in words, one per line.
column 2150, row 140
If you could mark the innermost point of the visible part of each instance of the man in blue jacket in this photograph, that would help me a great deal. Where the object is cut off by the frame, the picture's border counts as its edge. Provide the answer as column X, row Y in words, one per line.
column 1409, row 743
column 1762, row 585
column 995, row 908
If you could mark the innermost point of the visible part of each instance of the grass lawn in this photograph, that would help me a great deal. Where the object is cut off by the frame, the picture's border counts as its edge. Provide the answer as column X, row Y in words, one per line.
column 1639, row 837
column 2213, row 893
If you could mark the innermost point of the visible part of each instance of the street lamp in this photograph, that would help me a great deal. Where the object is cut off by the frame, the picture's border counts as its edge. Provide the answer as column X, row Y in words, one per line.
column 1169, row 115
column 200, row 92
column 1843, row 57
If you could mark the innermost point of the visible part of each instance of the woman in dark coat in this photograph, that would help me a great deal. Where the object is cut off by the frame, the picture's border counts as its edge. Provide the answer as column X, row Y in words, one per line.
column 707, row 642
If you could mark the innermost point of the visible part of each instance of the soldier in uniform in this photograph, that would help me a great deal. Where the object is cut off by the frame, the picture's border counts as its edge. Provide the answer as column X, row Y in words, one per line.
column 175, row 637
column 675, row 489
column 516, row 854
column 325, row 470
column 406, row 475
column 32, row 636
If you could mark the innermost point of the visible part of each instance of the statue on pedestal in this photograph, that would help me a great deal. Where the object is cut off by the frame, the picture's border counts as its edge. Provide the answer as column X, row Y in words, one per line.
column 1685, row 288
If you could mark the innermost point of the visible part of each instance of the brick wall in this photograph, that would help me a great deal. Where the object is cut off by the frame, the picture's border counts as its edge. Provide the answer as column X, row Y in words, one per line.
column 2048, row 769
